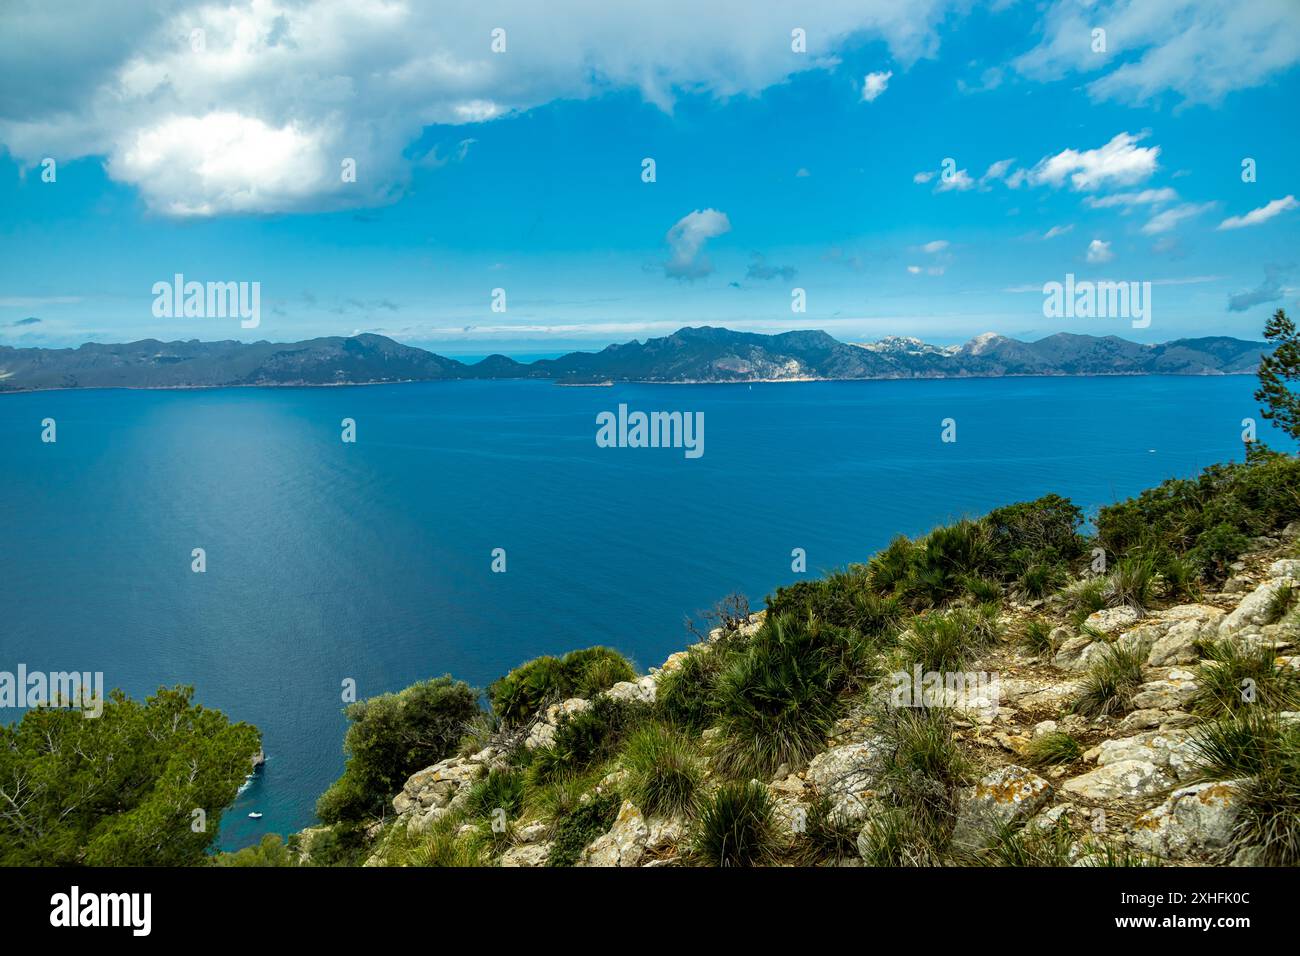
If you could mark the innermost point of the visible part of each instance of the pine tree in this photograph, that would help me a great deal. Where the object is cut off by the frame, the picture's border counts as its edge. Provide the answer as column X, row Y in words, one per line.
column 1276, row 370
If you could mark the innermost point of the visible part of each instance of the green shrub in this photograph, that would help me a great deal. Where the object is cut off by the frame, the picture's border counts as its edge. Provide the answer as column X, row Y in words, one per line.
column 663, row 772
column 1084, row 597
column 1233, row 678
column 587, row 737
column 1132, row 583
column 1110, row 683
column 1239, row 745
column 1040, row 580
column 1036, row 637
column 828, row 836
column 924, row 773
column 736, row 827
column 1209, row 518
column 944, row 640
column 391, row 737
column 519, row 695
column 501, row 789
column 684, row 696
column 118, row 789
column 777, row 698
column 891, row 837
column 272, row 851
column 845, row 599
column 1253, row 746
column 576, row 829
column 1040, row 533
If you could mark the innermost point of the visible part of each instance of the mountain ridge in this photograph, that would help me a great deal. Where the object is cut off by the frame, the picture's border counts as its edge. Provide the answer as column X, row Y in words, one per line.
column 692, row 354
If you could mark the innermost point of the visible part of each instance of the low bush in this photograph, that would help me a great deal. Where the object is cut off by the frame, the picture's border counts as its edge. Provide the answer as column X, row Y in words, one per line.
column 736, row 827
column 664, row 774
column 519, row 695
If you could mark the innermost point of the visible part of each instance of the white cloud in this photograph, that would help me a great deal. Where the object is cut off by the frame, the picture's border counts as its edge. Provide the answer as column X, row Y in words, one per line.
column 319, row 82
column 996, row 171
column 923, row 177
column 1121, row 162
column 1170, row 218
column 873, row 84
column 1262, row 214
column 915, row 270
column 959, row 181
column 686, row 239
column 1058, row 231
column 1142, row 198
column 1099, row 251
column 1199, row 50
column 937, row 245
column 191, row 166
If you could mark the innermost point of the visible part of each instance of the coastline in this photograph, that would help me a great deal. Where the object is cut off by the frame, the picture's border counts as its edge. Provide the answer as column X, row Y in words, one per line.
column 638, row 381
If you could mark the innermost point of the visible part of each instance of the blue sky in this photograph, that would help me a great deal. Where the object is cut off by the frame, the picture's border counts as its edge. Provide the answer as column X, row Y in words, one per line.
column 521, row 170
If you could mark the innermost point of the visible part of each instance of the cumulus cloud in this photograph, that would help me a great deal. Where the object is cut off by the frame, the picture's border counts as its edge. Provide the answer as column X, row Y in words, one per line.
column 259, row 115
column 686, row 239
column 1198, row 50
column 1121, row 162
column 873, row 84
column 1099, row 251
column 1262, row 214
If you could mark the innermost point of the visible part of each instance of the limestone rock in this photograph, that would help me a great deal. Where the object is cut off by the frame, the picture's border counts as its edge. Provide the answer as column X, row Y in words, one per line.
column 1195, row 822
column 532, row 854
column 623, row 845
column 1007, row 795
column 638, row 691
column 1253, row 609
column 1169, row 750
column 1122, row 780
column 1172, row 692
column 1112, row 620
column 435, row 787
column 847, row 776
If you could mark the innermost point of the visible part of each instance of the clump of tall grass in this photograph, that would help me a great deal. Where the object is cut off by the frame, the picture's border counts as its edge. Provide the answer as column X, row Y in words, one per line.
column 778, row 697
column 1053, row 748
column 1255, row 747
column 1132, row 583
column 1110, row 683
column 1233, row 678
column 924, row 772
column 1036, row 637
column 944, row 640
column 736, row 827
column 1084, row 597
column 664, row 775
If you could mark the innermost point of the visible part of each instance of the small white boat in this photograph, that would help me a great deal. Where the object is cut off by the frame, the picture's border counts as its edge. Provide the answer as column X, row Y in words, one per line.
column 254, row 815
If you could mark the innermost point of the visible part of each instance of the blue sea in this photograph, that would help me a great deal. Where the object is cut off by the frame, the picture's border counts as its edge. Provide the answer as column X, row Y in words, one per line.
column 371, row 561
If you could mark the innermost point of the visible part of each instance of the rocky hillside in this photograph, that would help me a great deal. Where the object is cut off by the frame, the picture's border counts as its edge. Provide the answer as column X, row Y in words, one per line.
column 1136, row 791
column 1133, row 710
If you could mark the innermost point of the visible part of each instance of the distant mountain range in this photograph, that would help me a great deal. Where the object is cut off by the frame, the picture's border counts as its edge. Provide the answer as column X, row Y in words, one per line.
column 702, row 354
